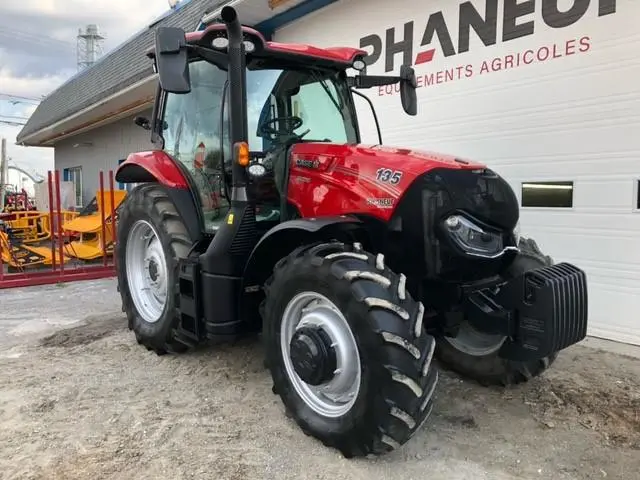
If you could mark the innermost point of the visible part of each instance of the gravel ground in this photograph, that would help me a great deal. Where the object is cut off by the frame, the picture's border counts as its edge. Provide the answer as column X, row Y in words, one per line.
column 80, row 399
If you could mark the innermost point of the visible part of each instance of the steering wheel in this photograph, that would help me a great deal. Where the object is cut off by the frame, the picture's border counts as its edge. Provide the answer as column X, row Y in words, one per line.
column 287, row 126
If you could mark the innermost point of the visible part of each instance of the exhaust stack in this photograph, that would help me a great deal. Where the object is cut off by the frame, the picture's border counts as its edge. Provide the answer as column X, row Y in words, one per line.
column 237, row 96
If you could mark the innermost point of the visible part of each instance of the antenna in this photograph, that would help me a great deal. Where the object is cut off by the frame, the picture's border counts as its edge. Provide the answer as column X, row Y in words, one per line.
column 89, row 46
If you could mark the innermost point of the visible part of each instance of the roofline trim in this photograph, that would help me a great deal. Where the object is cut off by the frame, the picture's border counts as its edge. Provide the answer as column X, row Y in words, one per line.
column 302, row 9
column 209, row 17
column 88, row 109
column 114, row 117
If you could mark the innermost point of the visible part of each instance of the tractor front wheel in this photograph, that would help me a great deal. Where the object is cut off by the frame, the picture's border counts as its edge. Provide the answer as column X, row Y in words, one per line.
column 151, row 239
column 347, row 350
column 474, row 354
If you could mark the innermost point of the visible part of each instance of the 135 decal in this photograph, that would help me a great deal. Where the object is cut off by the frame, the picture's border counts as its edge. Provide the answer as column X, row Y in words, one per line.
column 386, row 175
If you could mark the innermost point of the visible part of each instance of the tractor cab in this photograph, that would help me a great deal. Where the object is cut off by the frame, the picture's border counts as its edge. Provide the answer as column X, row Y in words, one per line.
column 289, row 98
column 285, row 106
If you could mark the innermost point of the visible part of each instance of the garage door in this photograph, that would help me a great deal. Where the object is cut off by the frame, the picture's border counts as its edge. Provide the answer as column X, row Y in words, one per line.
column 546, row 92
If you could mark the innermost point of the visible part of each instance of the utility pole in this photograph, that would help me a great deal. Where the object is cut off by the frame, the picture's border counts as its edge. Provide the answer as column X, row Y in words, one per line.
column 4, row 168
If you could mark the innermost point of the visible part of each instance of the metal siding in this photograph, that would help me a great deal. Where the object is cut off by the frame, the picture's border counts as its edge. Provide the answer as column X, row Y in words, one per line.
column 110, row 143
column 571, row 118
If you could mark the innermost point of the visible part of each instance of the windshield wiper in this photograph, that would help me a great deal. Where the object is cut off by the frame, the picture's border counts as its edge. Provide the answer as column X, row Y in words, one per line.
column 326, row 88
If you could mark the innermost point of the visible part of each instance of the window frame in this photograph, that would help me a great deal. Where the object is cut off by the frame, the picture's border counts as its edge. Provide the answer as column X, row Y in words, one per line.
column 548, row 207
column 70, row 175
column 635, row 200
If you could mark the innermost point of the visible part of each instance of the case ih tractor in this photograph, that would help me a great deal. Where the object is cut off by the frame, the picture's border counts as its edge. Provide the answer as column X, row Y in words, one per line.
column 260, row 211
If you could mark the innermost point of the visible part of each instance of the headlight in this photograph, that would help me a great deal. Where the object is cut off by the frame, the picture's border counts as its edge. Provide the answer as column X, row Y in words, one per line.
column 256, row 170
column 473, row 239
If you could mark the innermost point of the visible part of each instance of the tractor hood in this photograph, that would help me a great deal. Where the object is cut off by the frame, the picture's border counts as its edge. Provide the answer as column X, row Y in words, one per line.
column 414, row 161
column 410, row 163
column 329, row 179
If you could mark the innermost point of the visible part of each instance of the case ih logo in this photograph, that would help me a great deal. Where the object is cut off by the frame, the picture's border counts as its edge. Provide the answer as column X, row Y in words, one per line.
column 307, row 162
column 516, row 22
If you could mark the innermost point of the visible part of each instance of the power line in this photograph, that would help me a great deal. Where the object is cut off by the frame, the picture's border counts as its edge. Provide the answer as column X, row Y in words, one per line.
column 13, row 124
column 20, row 97
column 13, row 117
column 33, row 37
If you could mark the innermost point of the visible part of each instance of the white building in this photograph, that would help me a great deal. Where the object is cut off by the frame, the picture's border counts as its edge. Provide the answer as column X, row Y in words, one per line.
column 545, row 92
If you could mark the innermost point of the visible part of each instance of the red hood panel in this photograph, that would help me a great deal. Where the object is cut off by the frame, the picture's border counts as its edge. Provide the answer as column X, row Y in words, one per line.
column 330, row 179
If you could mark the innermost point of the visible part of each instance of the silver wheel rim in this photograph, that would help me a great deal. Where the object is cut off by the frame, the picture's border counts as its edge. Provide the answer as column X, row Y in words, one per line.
column 146, row 271
column 336, row 397
column 476, row 343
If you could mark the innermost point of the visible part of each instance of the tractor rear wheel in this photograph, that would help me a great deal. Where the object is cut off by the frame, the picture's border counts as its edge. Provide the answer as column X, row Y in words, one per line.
column 474, row 354
column 151, row 239
column 347, row 350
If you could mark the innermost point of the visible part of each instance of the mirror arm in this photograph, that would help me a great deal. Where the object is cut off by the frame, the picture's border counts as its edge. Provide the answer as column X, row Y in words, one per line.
column 368, row 81
column 373, row 110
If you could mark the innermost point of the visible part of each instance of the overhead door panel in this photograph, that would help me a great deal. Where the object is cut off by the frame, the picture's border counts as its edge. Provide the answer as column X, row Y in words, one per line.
column 545, row 91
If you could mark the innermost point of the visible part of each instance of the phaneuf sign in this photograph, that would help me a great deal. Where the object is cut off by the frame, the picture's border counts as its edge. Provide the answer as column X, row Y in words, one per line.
column 516, row 21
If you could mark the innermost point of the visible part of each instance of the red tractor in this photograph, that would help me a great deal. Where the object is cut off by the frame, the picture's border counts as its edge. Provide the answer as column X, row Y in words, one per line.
column 356, row 263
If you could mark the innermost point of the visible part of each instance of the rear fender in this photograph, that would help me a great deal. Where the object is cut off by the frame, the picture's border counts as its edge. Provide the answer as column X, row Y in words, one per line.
column 282, row 240
column 153, row 166
column 157, row 166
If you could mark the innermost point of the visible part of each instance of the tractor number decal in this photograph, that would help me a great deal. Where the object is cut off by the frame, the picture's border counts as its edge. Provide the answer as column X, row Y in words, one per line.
column 386, row 175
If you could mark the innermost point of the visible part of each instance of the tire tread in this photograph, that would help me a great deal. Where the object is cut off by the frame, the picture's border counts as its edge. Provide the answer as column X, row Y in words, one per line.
column 154, row 202
column 387, row 314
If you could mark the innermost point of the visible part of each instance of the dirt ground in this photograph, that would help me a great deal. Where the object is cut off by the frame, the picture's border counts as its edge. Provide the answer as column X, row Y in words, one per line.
column 80, row 399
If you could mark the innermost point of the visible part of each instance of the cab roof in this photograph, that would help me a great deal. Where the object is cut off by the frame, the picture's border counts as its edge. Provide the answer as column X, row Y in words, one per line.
column 333, row 57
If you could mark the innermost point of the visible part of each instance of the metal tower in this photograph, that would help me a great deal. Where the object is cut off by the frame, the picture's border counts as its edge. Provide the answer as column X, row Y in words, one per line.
column 89, row 46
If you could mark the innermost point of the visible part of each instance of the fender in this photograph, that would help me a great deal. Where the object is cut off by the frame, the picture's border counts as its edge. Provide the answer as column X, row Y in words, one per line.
column 158, row 167
column 152, row 166
column 281, row 240
column 286, row 236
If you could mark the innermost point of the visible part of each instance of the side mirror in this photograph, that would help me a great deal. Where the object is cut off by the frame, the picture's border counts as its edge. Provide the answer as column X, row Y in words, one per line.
column 408, row 85
column 172, row 60
column 408, row 95
column 142, row 122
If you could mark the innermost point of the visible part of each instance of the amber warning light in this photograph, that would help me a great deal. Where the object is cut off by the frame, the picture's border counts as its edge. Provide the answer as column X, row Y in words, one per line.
column 242, row 153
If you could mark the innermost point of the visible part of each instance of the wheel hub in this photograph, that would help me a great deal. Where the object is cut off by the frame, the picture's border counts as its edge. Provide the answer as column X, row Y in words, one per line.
column 312, row 356
column 146, row 268
column 320, row 354
column 153, row 270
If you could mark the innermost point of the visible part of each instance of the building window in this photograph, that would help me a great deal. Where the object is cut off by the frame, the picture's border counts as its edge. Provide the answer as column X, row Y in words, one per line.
column 636, row 195
column 547, row 194
column 75, row 175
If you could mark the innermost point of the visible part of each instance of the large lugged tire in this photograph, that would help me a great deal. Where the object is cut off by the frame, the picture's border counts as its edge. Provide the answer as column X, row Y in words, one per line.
column 376, row 360
column 475, row 354
column 151, row 239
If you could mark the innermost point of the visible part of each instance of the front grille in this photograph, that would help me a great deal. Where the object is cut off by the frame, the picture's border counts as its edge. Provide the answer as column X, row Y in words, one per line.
column 482, row 193
column 433, row 196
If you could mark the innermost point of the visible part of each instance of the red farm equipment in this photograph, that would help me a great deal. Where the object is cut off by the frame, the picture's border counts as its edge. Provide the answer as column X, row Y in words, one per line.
column 261, row 211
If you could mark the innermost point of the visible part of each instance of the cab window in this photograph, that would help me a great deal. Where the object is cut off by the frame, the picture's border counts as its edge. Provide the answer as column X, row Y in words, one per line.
column 192, row 135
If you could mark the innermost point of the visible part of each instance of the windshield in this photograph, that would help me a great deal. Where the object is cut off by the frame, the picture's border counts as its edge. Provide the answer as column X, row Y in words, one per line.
column 319, row 100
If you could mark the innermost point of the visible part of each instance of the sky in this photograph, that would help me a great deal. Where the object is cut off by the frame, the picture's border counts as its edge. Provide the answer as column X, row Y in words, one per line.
column 38, row 53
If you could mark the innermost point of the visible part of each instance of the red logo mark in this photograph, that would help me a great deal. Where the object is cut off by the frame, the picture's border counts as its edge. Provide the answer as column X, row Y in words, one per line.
column 426, row 56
